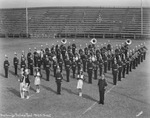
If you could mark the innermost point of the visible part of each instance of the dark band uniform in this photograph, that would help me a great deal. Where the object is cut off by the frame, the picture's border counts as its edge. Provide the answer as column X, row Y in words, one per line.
column 90, row 71
column 60, row 62
column 54, row 67
column 74, row 65
column 16, row 62
column 119, row 69
column 96, row 63
column 23, row 64
column 30, row 64
column 68, row 64
column 6, row 67
column 101, row 66
column 59, row 78
column 115, row 72
column 101, row 84
column 47, row 69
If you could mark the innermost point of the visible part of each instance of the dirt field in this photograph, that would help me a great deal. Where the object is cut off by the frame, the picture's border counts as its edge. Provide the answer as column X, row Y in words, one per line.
column 130, row 98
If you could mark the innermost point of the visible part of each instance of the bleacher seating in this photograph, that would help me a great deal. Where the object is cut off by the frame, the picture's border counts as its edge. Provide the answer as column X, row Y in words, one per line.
column 13, row 21
column 146, row 21
column 50, row 21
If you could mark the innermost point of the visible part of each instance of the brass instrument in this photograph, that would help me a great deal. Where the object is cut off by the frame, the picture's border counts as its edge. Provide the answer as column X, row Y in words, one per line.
column 64, row 41
column 128, row 41
column 93, row 41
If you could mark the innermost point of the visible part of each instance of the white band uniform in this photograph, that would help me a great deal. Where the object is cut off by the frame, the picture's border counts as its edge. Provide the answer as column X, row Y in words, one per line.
column 80, row 82
column 37, row 79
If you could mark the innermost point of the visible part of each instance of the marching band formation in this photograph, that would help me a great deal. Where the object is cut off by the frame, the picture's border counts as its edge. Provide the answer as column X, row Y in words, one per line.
column 94, row 60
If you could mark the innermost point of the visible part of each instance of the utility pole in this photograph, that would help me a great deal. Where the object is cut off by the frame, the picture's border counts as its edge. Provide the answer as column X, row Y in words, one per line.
column 27, row 32
column 141, row 18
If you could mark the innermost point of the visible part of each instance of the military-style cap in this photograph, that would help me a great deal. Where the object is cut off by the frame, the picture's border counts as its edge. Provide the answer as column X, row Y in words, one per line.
column 6, row 56
column 15, row 53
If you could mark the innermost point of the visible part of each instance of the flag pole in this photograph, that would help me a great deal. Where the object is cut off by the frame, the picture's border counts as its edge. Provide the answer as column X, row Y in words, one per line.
column 141, row 18
column 26, row 20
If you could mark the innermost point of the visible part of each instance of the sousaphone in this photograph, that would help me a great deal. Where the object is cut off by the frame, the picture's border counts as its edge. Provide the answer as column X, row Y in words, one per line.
column 93, row 41
column 128, row 41
column 63, row 41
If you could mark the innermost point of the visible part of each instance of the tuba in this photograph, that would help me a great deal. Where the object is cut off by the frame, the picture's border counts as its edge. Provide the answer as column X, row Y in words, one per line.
column 128, row 41
column 63, row 41
column 93, row 41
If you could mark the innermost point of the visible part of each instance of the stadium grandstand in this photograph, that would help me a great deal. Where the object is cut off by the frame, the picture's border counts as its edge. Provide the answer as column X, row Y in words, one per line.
column 75, row 22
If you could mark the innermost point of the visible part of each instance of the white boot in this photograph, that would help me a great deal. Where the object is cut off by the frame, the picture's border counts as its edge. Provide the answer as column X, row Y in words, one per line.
column 38, row 90
column 22, row 94
column 80, row 94
column 27, row 97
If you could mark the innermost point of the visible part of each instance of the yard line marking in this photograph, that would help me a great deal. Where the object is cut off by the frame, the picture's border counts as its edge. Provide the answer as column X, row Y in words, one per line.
column 89, row 108
column 32, row 94
column 95, row 102
column 110, row 89
column 140, row 113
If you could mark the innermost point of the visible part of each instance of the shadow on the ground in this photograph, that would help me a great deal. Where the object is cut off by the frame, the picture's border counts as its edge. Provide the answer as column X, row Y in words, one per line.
column 2, row 75
column 49, row 89
column 75, row 93
column 14, row 91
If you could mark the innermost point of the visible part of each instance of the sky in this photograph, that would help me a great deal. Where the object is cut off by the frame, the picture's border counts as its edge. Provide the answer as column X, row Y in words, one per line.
column 48, row 3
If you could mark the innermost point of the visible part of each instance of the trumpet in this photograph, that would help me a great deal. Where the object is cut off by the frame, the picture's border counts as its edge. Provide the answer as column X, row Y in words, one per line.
column 64, row 41
column 93, row 41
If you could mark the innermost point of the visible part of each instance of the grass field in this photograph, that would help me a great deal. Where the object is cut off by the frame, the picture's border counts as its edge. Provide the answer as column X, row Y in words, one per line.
column 130, row 98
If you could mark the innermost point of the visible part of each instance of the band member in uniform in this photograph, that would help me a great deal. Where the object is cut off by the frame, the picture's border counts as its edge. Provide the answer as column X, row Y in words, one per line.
column 60, row 62
column 80, row 78
column 144, row 51
column 136, row 58
column 74, row 65
column 131, row 57
column 63, row 52
column 28, row 56
column 39, row 61
column 67, row 66
column 37, row 80
column 6, row 66
column 123, row 65
column 79, row 64
column 54, row 66
column 23, row 56
column 109, row 59
column 84, row 61
column 105, row 62
column 128, row 63
column 27, row 83
column 96, row 63
column 47, row 68
column 73, row 48
column 35, row 56
column 115, row 71
column 101, row 65
column 22, row 83
column 119, row 68
column 16, row 62
column 30, row 64
column 101, row 85
column 23, row 64
column 90, row 70
column 59, row 78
